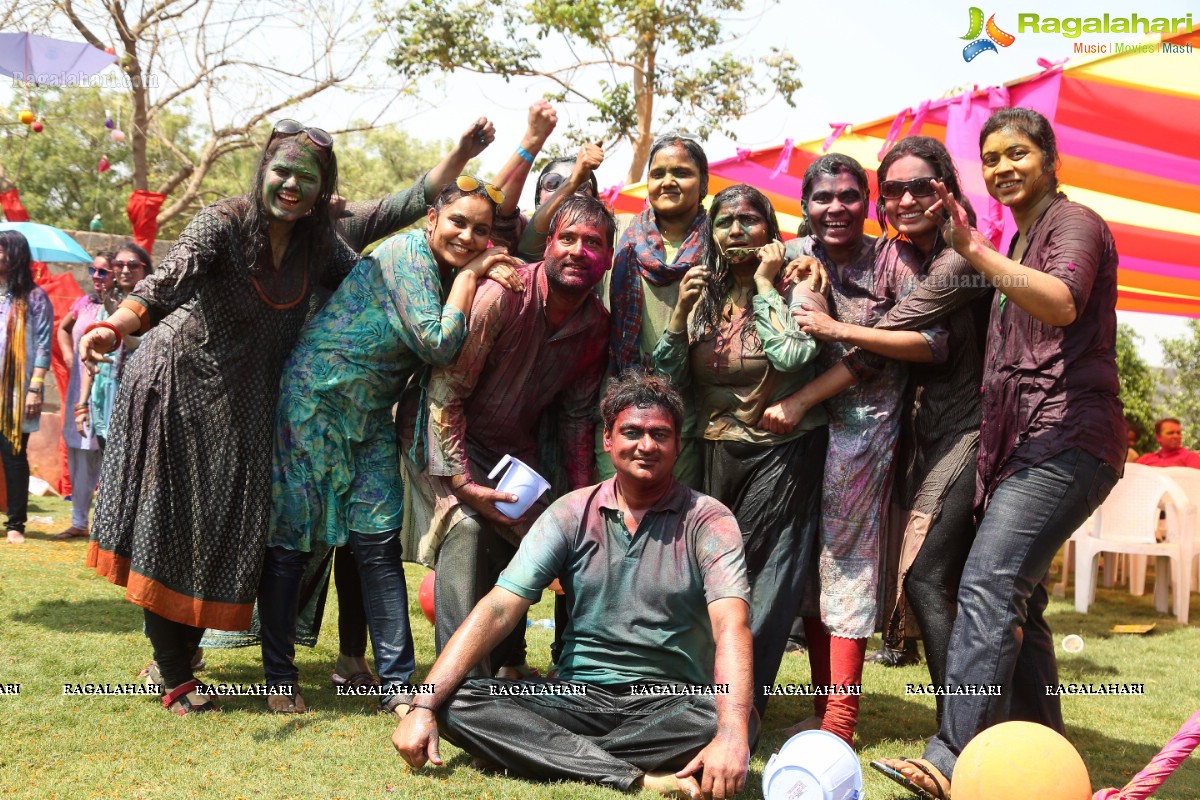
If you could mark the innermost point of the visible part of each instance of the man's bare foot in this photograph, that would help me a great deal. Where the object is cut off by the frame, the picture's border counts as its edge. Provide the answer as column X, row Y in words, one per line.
column 922, row 774
column 16, row 537
column 811, row 724
column 286, row 703
column 666, row 784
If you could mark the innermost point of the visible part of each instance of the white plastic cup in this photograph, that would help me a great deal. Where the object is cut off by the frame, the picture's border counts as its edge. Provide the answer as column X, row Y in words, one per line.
column 520, row 480
column 1072, row 643
column 813, row 764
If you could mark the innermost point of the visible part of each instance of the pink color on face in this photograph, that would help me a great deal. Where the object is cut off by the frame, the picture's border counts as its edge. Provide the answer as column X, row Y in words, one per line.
column 577, row 256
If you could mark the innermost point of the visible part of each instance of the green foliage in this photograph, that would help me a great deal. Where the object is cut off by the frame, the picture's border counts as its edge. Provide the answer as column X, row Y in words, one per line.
column 625, row 54
column 1138, row 387
column 373, row 163
column 56, row 170
column 1183, row 388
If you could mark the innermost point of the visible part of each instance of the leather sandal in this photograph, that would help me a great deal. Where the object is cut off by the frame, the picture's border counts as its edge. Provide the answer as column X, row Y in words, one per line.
column 70, row 533
column 179, row 697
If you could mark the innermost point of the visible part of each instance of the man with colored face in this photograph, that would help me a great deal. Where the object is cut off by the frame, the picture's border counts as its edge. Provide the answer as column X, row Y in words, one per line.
column 654, row 683
column 1171, row 452
column 525, row 353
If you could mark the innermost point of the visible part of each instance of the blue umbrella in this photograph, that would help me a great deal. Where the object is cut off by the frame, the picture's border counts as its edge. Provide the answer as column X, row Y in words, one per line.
column 48, row 243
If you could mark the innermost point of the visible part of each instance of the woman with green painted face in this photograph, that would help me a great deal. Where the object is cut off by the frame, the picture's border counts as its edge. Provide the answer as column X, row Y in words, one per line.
column 185, row 499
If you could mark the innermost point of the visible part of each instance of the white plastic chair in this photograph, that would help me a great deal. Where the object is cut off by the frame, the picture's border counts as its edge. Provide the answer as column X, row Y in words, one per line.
column 1188, row 479
column 1126, row 523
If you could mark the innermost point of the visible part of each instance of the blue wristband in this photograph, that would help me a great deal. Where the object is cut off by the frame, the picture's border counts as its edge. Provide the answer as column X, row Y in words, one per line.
column 525, row 154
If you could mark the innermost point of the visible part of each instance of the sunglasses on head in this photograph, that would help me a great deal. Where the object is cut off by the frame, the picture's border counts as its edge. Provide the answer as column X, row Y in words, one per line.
column 917, row 187
column 470, row 183
column 290, row 127
column 552, row 181
column 100, row 273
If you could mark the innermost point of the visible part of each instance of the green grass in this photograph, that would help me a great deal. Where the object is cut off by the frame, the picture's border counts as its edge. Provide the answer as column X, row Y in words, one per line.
column 60, row 623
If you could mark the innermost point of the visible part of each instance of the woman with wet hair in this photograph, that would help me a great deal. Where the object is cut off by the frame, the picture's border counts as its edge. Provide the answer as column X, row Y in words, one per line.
column 185, row 498
column 732, row 344
column 1052, row 440
column 26, row 329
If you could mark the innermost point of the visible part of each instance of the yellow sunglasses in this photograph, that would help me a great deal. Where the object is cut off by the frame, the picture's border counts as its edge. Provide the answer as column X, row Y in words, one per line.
column 469, row 183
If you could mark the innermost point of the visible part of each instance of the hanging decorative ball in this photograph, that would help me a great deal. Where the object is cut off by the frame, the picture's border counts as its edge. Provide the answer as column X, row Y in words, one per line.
column 94, row 225
column 118, row 135
column 112, row 51
column 108, row 120
column 103, row 165
column 37, row 126
column 26, row 116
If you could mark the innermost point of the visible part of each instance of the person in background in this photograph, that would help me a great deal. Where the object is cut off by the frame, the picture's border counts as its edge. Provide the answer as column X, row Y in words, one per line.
column 83, row 448
column 1171, row 452
column 26, row 330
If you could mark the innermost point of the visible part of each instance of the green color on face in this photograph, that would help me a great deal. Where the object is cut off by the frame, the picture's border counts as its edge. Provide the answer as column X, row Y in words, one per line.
column 292, row 183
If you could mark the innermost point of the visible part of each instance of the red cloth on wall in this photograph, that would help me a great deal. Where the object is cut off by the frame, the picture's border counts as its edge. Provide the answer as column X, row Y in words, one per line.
column 143, row 214
column 10, row 201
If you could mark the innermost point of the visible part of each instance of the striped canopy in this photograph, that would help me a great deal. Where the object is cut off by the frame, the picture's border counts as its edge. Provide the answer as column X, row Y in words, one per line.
column 1127, row 128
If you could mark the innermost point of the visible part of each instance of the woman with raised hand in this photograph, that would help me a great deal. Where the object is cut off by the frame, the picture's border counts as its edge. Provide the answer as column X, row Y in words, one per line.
column 185, row 492
column 1052, row 440
column 733, row 344
column 655, row 251
column 335, row 475
column 26, row 329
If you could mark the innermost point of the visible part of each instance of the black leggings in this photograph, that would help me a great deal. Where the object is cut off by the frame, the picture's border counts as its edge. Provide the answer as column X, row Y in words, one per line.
column 352, row 619
column 932, row 581
column 16, row 481
column 174, row 645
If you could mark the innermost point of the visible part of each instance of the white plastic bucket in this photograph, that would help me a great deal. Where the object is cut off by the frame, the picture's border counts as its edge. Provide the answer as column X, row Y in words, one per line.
column 813, row 765
column 520, row 480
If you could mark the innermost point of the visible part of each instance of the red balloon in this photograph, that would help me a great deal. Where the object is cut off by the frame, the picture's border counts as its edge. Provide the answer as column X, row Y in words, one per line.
column 103, row 165
column 37, row 127
column 425, row 595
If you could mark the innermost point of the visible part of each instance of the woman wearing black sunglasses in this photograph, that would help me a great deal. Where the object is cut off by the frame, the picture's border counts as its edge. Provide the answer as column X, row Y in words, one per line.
column 939, row 431
column 185, row 497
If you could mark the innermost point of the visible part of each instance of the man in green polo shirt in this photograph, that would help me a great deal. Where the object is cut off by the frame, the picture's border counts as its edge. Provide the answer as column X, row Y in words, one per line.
column 654, row 687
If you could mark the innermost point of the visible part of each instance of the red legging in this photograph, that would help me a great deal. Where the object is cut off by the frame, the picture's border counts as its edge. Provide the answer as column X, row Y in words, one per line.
column 835, row 662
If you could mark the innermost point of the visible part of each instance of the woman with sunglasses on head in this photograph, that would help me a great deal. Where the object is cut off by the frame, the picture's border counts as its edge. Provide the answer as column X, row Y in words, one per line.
column 336, row 481
column 185, row 498
column 26, row 329
column 939, row 430
column 733, row 342
column 867, row 278
column 1052, row 440
column 653, row 254
column 83, row 449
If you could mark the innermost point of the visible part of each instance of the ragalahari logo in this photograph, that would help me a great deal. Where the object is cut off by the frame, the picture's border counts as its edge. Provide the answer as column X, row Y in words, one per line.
column 995, row 36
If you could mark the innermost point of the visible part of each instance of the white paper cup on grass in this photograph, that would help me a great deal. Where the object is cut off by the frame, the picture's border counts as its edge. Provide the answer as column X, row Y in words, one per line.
column 816, row 765
column 1073, row 643
column 520, row 480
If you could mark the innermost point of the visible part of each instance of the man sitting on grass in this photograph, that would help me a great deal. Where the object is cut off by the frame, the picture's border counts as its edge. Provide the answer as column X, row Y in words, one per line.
column 654, row 677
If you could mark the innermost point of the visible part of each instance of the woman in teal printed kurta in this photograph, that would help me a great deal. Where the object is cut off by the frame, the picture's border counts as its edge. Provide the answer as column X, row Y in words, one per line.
column 335, row 470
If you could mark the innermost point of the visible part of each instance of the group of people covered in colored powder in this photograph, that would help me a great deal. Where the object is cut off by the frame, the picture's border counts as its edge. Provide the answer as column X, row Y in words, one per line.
column 725, row 420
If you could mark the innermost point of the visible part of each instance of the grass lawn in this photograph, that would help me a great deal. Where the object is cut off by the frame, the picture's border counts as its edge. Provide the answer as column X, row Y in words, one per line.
column 60, row 623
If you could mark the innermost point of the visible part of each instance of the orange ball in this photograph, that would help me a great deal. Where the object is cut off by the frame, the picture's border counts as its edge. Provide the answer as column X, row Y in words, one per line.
column 1020, row 759
column 425, row 595
column 26, row 116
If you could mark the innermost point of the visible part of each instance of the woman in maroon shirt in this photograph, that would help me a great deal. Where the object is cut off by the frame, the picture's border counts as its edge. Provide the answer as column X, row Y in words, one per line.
column 1050, row 443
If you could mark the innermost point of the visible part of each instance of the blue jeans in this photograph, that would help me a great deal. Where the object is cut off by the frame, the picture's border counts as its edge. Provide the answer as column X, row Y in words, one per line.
column 1000, row 637
column 385, row 599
